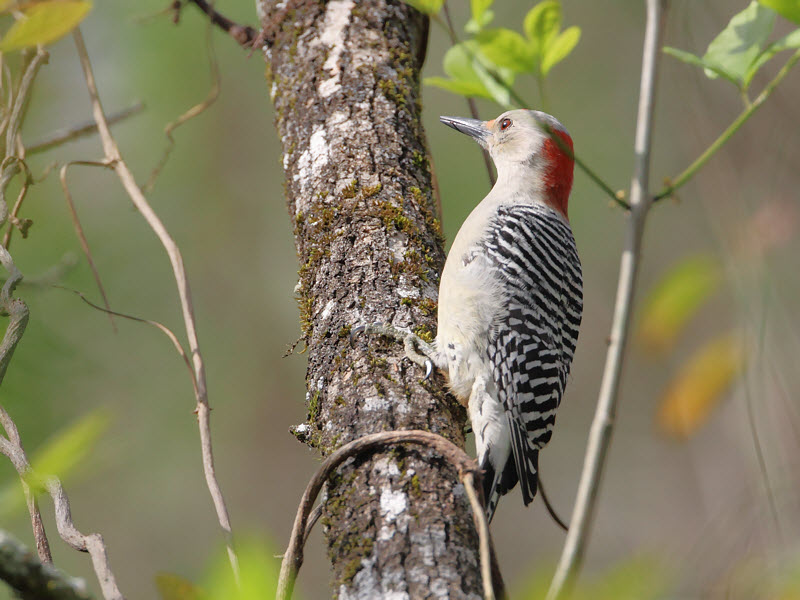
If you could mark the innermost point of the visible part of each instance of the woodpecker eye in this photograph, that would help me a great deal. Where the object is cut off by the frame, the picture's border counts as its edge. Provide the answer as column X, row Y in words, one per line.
column 505, row 124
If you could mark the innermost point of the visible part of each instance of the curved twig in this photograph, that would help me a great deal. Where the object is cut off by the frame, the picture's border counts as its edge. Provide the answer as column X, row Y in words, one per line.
column 203, row 409
column 550, row 509
column 479, row 512
column 466, row 467
column 602, row 426
column 160, row 326
column 76, row 225
column 91, row 543
column 188, row 115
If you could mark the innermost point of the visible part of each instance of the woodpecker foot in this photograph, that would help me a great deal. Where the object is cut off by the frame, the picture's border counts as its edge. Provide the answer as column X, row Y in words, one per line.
column 410, row 342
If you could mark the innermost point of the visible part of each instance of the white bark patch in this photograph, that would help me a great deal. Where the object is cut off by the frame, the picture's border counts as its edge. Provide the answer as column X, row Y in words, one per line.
column 338, row 117
column 398, row 244
column 326, row 312
column 385, row 467
column 408, row 292
column 337, row 16
column 375, row 403
column 313, row 158
column 393, row 504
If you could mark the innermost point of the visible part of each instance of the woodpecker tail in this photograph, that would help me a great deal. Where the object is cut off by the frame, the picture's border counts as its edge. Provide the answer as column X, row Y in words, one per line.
column 526, row 461
column 495, row 483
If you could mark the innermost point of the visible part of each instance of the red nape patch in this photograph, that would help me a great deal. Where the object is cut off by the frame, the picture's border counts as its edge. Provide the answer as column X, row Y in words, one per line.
column 558, row 173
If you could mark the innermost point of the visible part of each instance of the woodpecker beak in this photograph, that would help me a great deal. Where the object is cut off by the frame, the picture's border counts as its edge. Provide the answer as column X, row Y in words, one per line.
column 472, row 127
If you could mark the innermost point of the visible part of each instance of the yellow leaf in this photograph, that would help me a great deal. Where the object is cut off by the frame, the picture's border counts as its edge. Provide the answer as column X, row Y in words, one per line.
column 676, row 298
column 175, row 587
column 700, row 385
column 44, row 23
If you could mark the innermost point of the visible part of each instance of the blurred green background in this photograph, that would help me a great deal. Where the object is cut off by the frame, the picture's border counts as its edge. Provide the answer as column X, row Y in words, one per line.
column 694, row 508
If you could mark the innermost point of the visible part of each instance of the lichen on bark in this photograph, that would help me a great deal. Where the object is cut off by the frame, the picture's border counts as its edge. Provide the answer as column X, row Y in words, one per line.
column 344, row 79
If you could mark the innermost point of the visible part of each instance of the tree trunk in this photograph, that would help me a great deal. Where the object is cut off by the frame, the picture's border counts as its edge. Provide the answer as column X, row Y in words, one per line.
column 345, row 84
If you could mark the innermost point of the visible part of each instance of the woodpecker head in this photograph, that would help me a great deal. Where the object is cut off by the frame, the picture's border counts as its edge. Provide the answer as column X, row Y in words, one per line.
column 530, row 149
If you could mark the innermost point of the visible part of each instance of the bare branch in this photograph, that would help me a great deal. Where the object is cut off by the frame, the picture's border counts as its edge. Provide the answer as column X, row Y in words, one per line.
column 602, row 426
column 62, row 136
column 466, row 467
column 243, row 34
column 31, row 578
column 203, row 409
column 91, row 543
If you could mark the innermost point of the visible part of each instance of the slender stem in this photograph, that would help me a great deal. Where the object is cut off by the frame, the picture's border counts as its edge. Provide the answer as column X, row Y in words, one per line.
column 602, row 426
column 73, row 133
column 473, row 107
column 540, row 81
column 692, row 169
column 483, row 535
column 203, row 409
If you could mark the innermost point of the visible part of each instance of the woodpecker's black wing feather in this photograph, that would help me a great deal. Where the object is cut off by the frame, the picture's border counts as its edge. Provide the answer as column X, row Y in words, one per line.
column 534, row 252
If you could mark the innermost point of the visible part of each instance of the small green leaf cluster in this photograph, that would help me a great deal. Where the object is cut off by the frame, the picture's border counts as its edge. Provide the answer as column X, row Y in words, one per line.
column 428, row 7
column 486, row 65
column 741, row 49
column 61, row 456
column 258, row 577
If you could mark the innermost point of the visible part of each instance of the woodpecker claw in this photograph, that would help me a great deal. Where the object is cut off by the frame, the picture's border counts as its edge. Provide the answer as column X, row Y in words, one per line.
column 410, row 342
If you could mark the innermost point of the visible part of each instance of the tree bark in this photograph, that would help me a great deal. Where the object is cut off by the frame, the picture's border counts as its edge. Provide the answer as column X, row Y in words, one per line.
column 344, row 79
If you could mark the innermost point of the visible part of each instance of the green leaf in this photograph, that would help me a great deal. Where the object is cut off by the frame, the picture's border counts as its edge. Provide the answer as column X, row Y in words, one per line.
column 474, row 26
column 61, row 455
column 67, row 450
column 258, row 572
column 428, row 7
column 788, row 9
column 44, row 23
column 498, row 90
column 506, row 49
column 541, row 25
column 459, row 65
column 683, row 56
column 470, row 75
column 560, row 48
column 735, row 49
column 788, row 42
column 479, row 8
column 462, row 88
column 696, row 61
column 676, row 299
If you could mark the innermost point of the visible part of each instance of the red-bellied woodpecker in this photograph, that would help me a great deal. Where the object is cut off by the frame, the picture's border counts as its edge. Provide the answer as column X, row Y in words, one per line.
column 510, row 299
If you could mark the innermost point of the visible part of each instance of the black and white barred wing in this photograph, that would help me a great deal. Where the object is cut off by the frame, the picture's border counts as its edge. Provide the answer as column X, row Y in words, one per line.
column 535, row 256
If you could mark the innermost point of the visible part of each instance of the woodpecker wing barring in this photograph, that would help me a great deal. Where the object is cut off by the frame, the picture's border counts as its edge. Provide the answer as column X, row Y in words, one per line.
column 533, row 343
